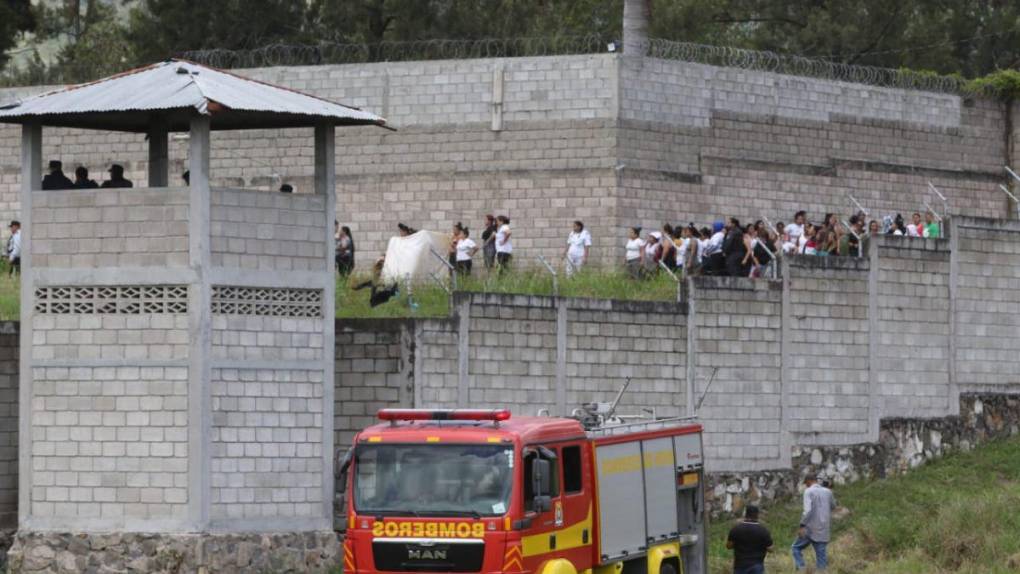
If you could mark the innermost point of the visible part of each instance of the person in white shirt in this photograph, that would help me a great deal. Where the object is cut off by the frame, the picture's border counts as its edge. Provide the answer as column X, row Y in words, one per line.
column 504, row 245
column 635, row 252
column 14, row 247
column 916, row 228
column 466, row 249
column 578, row 247
column 795, row 230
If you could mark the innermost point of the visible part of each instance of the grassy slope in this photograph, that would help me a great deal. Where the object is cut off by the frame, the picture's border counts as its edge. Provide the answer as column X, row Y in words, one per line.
column 959, row 514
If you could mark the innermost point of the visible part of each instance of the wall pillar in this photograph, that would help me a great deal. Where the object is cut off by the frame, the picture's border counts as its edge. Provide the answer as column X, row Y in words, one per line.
column 31, row 179
column 636, row 15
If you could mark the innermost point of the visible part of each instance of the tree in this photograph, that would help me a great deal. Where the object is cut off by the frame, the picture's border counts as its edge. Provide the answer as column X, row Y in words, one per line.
column 970, row 37
column 159, row 29
column 15, row 17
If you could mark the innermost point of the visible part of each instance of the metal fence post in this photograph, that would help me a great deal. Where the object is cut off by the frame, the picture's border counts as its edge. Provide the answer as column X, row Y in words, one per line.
column 556, row 285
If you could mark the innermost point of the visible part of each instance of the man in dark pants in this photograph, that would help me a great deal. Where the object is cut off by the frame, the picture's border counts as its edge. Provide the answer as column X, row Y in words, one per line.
column 750, row 542
column 734, row 249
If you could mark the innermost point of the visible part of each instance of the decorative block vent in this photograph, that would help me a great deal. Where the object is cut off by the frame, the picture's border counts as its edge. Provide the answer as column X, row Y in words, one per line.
column 270, row 302
column 112, row 300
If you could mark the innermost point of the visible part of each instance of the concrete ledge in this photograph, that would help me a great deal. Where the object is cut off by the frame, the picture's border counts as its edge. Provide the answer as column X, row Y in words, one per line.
column 737, row 283
column 812, row 262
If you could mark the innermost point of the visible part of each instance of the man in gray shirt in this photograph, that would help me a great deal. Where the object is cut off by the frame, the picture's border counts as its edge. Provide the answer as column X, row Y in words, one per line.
column 815, row 524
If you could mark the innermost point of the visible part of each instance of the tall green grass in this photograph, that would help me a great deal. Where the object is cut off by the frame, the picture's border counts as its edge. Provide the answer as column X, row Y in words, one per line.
column 955, row 515
column 431, row 300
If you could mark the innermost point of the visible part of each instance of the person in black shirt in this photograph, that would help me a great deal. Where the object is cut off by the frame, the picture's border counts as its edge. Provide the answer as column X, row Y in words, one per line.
column 733, row 249
column 56, row 178
column 81, row 179
column 750, row 542
column 489, row 241
column 117, row 177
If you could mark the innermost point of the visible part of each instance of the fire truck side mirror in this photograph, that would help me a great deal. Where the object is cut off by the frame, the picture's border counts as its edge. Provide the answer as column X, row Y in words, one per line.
column 540, row 475
column 340, row 466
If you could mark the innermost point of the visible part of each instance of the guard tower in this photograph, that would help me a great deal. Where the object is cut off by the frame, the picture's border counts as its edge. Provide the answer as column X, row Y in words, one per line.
column 177, row 342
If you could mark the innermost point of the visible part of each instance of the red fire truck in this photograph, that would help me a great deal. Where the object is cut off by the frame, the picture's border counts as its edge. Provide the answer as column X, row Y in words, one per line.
column 481, row 491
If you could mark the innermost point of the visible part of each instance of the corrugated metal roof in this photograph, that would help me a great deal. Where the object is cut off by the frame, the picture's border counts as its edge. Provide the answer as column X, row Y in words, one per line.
column 181, row 85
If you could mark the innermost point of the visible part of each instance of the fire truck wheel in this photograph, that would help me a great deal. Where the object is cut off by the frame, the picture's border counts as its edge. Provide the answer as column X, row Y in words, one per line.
column 667, row 568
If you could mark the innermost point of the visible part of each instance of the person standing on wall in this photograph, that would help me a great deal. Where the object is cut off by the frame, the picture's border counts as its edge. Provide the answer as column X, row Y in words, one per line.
column 489, row 241
column 504, row 245
column 815, row 524
column 14, row 248
column 635, row 253
column 466, row 249
column 344, row 250
column 578, row 247
column 750, row 542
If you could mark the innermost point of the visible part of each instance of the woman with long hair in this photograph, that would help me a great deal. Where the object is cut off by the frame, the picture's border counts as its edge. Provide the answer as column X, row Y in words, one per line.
column 344, row 251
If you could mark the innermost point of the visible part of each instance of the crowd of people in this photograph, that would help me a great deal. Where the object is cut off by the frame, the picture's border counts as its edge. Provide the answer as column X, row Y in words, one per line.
column 728, row 247
column 745, row 250
column 56, row 179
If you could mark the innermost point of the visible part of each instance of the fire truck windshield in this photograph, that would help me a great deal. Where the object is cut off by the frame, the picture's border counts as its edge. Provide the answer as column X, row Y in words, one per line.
column 433, row 479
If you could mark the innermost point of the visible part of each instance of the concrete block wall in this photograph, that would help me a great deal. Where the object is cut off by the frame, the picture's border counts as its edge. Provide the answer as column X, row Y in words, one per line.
column 826, row 348
column 261, row 338
column 266, row 444
column 374, row 370
column 109, row 445
column 608, row 342
column 913, row 367
column 616, row 141
column 987, row 309
column 512, row 353
column 270, row 231
column 111, row 227
column 735, row 335
column 110, row 337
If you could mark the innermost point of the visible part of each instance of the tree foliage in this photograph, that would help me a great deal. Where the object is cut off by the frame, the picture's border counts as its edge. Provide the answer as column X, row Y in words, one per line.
column 967, row 37
column 15, row 17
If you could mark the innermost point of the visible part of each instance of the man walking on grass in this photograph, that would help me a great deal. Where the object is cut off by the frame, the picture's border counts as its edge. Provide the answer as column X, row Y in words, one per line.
column 815, row 524
column 750, row 542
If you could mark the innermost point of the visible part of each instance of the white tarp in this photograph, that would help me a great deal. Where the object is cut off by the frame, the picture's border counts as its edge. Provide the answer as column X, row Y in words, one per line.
column 409, row 257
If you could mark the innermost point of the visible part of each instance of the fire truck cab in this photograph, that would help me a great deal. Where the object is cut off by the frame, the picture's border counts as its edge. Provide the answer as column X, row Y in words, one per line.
column 481, row 491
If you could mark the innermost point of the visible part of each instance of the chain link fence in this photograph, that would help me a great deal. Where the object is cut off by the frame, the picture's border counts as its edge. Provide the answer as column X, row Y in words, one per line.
column 810, row 67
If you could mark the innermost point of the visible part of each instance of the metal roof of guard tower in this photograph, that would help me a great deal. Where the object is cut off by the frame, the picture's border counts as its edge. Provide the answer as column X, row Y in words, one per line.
column 173, row 91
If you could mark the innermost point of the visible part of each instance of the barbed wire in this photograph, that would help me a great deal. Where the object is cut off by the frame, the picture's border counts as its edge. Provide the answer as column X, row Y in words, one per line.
column 351, row 53
column 345, row 53
column 809, row 67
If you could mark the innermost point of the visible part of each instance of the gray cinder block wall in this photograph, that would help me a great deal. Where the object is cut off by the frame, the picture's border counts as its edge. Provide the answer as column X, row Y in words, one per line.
column 815, row 361
column 611, row 139
column 804, row 372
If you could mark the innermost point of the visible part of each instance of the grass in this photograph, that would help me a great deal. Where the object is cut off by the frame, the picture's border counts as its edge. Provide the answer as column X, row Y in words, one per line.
column 955, row 515
column 10, row 294
column 432, row 300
